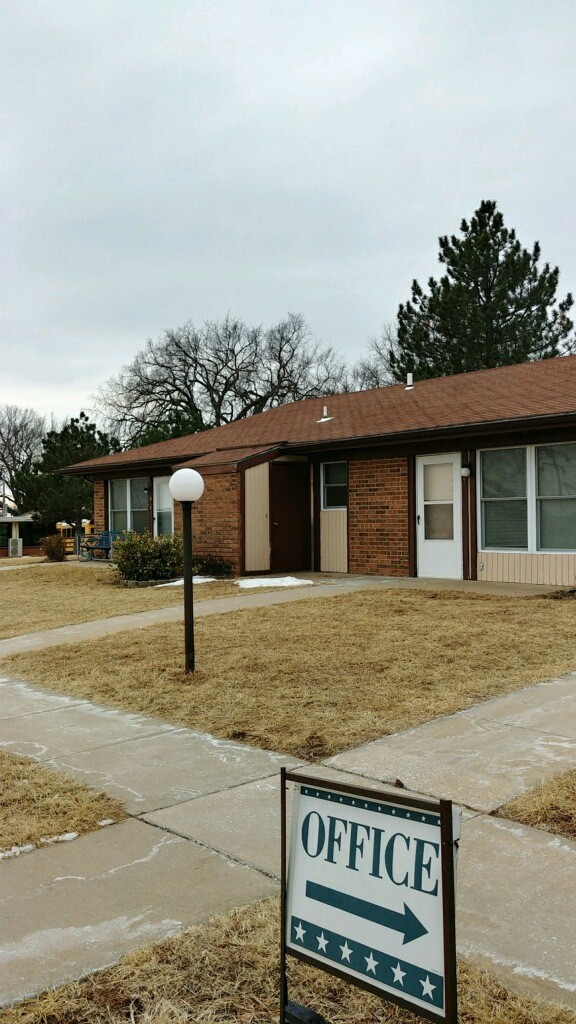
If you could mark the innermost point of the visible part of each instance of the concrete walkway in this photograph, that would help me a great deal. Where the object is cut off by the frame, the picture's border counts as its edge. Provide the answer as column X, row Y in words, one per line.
column 325, row 585
column 204, row 833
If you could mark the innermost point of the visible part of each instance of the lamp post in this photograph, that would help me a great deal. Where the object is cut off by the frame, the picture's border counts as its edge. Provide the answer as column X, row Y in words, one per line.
column 187, row 486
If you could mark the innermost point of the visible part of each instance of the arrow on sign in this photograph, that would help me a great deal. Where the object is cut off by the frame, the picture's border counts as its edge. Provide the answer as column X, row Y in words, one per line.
column 406, row 923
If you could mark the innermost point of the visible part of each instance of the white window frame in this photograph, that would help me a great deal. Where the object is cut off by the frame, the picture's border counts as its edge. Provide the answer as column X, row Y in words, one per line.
column 126, row 480
column 332, row 508
column 155, row 510
column 531, row 501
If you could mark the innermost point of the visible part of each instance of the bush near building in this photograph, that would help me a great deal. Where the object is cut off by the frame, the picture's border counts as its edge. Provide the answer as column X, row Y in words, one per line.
column 140, row 557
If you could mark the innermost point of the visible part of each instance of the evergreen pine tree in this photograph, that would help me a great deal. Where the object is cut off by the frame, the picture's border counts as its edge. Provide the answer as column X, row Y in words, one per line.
column 492, row 307
column 54, row 496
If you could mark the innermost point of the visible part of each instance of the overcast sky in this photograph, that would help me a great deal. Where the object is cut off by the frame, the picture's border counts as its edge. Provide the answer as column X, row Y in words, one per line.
column 175, row 160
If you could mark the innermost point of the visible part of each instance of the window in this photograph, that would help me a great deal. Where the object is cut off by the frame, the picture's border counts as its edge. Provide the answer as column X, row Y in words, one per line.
column 163, row 506
column 438, row 501
column 334, row 485
column 504, row 504
column 556, row 496
column 118, row 505
column 129, row 504
column 528, row 498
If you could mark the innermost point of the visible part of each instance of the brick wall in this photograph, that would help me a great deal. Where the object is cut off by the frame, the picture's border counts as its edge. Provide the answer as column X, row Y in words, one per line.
column 100, row 506
column 378, row 527
column 217, row 520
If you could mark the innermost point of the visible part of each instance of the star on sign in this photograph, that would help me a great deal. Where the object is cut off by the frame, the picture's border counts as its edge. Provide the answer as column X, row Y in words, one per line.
column 300, row 933
column 346, row 951
column 399, row 974
column 371, row 963
column 322, row 942
column 427, row 987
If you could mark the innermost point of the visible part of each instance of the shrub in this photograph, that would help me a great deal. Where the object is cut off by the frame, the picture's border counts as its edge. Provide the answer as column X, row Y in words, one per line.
column 212, row 566
column 142, row 557
column 54, row 547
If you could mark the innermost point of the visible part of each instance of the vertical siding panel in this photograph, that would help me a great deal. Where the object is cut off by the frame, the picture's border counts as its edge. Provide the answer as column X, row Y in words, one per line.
column 333, row 541
column 256, row 518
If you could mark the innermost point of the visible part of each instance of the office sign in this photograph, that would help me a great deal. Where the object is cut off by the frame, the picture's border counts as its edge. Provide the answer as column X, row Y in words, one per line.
column 370, row 891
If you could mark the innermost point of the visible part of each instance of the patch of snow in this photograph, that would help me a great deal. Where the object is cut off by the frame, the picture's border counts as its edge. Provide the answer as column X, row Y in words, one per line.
column 66, row 837
column 180, row 583
column 276, row 581
column 15, row 851
column 557, row 844
column 106, row 821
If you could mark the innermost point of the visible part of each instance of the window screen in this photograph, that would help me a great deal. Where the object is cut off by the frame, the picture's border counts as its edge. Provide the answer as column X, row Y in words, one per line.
column 556, row 498
column 334, row 485
column 504, row 502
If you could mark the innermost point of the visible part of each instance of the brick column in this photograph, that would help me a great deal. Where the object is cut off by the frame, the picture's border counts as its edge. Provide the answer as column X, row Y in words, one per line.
column 378, row 527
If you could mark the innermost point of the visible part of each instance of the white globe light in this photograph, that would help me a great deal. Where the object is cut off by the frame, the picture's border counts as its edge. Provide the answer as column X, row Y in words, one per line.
column 186, row 485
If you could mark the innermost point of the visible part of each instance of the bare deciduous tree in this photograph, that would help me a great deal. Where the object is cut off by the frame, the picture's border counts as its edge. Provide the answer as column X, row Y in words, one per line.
column 223, row 371
column 374, row 370
column 21, row 433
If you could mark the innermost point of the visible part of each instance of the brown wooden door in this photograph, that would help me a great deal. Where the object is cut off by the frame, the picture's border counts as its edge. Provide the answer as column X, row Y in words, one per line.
column 290, row 521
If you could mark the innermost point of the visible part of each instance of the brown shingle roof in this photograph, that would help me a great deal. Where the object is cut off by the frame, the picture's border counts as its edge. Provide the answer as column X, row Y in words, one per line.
column 528, row 390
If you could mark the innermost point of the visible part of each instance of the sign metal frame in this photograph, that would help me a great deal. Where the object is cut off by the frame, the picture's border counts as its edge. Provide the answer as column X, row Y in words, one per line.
column 443, row 808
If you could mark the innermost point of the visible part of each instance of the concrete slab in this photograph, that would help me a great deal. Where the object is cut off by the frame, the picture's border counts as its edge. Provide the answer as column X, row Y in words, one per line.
column 244, row 822
column 19, row 698
column 516, row 906
column 547, row 707
column 78, row 727
column 480, row 764
column 161, row 770
column 87, row 631
column 74, row 909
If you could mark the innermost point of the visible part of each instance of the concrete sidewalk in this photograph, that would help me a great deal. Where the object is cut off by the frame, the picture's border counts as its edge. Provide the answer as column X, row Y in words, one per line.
column 325, row 585
column 204, row 833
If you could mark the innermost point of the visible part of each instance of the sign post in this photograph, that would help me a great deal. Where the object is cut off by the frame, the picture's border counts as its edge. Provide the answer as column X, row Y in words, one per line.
column 368, row 893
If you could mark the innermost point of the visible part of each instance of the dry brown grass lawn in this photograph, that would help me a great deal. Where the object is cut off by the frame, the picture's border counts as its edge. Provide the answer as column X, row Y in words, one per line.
column 313, row 678
column 551, row 806
column 37, row 803
column 227, row 972
column 48, row 596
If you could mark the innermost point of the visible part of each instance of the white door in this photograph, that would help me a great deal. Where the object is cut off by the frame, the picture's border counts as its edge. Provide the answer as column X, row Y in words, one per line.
column 439, row 516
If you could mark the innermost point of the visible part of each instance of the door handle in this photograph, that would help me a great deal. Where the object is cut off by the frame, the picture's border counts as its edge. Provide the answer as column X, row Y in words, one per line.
column 274, row 524
column 418, row 520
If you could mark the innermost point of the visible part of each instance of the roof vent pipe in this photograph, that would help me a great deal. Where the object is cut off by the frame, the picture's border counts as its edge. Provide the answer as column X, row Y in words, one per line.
column 325, row 417
column 409, row 381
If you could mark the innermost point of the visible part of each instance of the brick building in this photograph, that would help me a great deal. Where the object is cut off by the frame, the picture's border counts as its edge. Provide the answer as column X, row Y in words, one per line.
column 470, row 476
